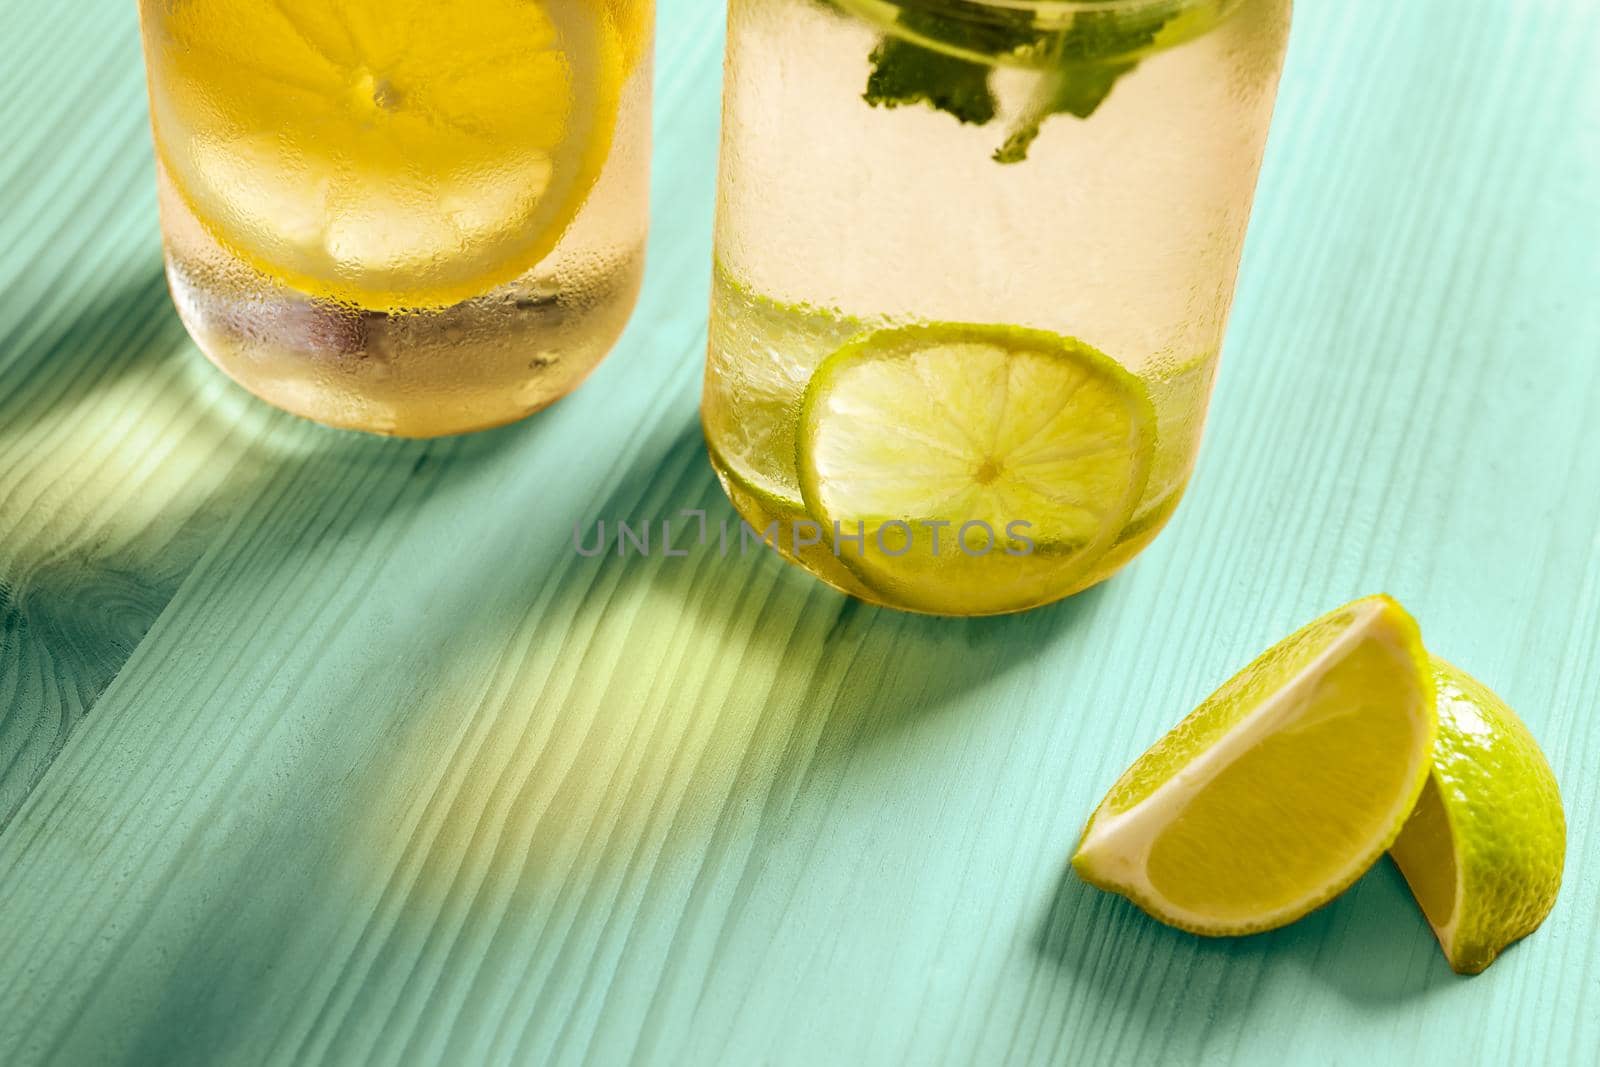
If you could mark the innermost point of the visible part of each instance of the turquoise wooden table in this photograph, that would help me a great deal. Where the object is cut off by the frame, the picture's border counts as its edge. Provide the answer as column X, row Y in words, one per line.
column 316, row 748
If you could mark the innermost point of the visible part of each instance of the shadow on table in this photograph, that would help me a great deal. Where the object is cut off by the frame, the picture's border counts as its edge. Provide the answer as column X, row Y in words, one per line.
column 871, row 671
column 126, row 455
column 129, row 459
column 1370, row 946
column 96, row 343
column 74, row 602
column 587, row 712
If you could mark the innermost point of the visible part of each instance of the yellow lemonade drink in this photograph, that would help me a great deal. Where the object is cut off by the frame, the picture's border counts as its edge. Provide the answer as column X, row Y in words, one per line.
column 404, row 217
column 974, row 264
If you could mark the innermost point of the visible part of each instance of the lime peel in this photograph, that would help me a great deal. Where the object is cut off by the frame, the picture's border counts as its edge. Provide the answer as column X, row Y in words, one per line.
column 1485, row 848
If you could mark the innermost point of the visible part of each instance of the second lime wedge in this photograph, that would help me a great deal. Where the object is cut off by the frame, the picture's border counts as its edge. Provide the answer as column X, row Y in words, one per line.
column 1484, row 851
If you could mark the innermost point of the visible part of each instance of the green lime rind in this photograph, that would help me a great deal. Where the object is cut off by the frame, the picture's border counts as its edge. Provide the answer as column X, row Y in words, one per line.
column 1485, row 849
column 965, row 422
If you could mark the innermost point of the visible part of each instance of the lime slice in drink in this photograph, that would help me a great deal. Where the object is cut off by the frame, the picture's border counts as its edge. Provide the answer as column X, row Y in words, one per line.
column 386, row 153
column 968, row 469
column 1282, row 788
column 1484, row 850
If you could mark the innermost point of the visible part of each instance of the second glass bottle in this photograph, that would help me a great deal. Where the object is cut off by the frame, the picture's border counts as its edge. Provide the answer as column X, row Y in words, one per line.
column 974, row 260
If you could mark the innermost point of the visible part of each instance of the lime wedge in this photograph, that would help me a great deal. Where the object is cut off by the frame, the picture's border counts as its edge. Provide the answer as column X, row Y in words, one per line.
column 1484, row 850
column 1282, row 788
column 969, row 469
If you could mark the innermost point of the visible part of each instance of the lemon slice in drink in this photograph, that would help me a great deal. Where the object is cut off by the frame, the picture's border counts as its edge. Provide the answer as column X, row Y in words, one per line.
column 633, row 22
column 972, row 469
column 1484, row 850
column 1282, row 788
column 394, row 154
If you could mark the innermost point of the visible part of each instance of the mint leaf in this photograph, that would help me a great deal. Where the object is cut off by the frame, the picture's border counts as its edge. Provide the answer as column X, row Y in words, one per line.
column 1104, row 35
column 907, row 73
column 1081, row 64
column 1084, row 71
column 1078, row 89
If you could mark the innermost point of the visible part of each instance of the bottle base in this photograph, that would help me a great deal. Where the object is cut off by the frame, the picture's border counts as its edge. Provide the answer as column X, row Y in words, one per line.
column 479, row 364
column 787, row 529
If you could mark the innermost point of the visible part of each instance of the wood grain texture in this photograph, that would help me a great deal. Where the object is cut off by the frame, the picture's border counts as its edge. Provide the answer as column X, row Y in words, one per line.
column 321, row 749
